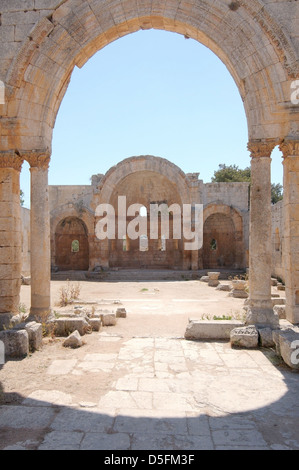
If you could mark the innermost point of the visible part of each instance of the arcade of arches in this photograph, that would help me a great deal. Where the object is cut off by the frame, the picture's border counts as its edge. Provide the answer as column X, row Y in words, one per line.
column 258, row 42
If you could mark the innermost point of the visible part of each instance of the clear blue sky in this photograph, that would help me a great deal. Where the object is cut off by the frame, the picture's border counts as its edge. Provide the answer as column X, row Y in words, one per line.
column 149, row 93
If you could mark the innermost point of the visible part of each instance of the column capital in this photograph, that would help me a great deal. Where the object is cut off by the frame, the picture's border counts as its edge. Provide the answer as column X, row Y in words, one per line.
column 38, row 158
column 261, row 148
column 11, row 159
column 289, row 148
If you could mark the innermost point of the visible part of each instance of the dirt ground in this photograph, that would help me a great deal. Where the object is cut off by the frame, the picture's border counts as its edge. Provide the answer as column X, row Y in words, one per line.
column 154, row 310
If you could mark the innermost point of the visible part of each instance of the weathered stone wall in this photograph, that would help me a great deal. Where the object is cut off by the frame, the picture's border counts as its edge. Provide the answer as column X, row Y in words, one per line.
column 25, row 224
column 230, row 194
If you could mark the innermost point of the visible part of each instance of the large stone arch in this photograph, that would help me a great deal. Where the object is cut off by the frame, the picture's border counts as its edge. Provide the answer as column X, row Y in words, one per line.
column 255, row 49
column 257, row 44
column 144, row 180
column 144, row 163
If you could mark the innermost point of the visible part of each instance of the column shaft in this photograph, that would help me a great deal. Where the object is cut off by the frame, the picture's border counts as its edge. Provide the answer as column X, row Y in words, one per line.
column 40, row 238
column 260, row 311
column 10, row 236
column 290, row 151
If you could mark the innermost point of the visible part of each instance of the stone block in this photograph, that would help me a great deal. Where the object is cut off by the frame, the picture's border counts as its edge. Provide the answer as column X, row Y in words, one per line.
column 95, row 323
column 287, row 346
column 73, row 341
column 280, row 310
column 108, row 319
column 245, row 337
column 16, row 343
column 224, row 287
column 204, row 279
column 266, row 337
column 121, row 313
column 210, row 329
column 66, row 326
column 35, row 335
column 239, row 294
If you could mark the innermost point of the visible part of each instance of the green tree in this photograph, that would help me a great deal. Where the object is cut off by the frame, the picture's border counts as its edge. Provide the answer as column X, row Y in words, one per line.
column 22, row 200
column 234, row 174
column 231, row 173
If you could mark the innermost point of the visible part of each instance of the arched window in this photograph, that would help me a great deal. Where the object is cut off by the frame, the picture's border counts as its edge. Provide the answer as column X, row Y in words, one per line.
column 75, row 246
column 213, row 244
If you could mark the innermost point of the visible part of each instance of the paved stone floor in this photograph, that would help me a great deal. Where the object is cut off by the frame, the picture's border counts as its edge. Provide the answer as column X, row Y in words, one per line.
column 155, row 393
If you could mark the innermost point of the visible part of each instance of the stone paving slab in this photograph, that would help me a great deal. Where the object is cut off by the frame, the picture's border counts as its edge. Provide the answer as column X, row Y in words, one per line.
column 157, row 394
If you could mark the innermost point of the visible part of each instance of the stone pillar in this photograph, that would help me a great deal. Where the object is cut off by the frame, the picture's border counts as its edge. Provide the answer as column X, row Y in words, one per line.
column 290, row 150
column 260, row 310
column 40, row 236
column 10, row 236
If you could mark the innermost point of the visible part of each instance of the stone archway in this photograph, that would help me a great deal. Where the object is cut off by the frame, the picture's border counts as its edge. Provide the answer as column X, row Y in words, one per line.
column 249, row 37
column 145, row 180
column 71, row 245
column 223, row 238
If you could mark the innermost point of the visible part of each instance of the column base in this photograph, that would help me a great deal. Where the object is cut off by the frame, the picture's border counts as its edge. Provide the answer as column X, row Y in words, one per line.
column 39, row 315
column 262, row 317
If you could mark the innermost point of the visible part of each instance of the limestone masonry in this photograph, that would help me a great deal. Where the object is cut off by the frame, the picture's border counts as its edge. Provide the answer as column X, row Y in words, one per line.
column 41, row 43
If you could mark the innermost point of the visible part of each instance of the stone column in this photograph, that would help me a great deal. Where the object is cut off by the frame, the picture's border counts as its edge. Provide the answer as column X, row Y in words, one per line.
column 260, row 310
column 10, row 236
column 40, row 236
column 290, row 150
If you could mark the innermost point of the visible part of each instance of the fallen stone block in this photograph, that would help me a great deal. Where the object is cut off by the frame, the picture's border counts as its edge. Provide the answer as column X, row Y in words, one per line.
column 16, row 343
column 108, row 319
column 65, row 326
column 280, row 310
column 204, row 279
column 239, row 294
column 95, row 323
column 73, row 341
column 280, row 287
column 245, row 337
column 35, row 335
column 266, row 337
column 224, row 287
column 287, row 346
column 210, row 329
column 121, row 313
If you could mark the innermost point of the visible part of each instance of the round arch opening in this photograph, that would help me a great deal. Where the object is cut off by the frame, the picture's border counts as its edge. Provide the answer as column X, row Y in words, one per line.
column 71, row 245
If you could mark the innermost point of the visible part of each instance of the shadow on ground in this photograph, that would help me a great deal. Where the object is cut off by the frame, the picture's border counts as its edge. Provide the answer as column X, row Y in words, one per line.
column 34, row 424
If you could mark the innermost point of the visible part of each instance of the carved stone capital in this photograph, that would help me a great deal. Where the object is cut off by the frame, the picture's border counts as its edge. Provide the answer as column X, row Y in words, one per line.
column 289, row 148
column 261, row 148
column 38, row 159
column 11, row 159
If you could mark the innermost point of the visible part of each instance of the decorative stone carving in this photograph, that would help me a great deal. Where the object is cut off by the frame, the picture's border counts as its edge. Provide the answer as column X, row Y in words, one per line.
column 38, row 159
column 11, row 160
column 289, row 148
column 261, row 148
